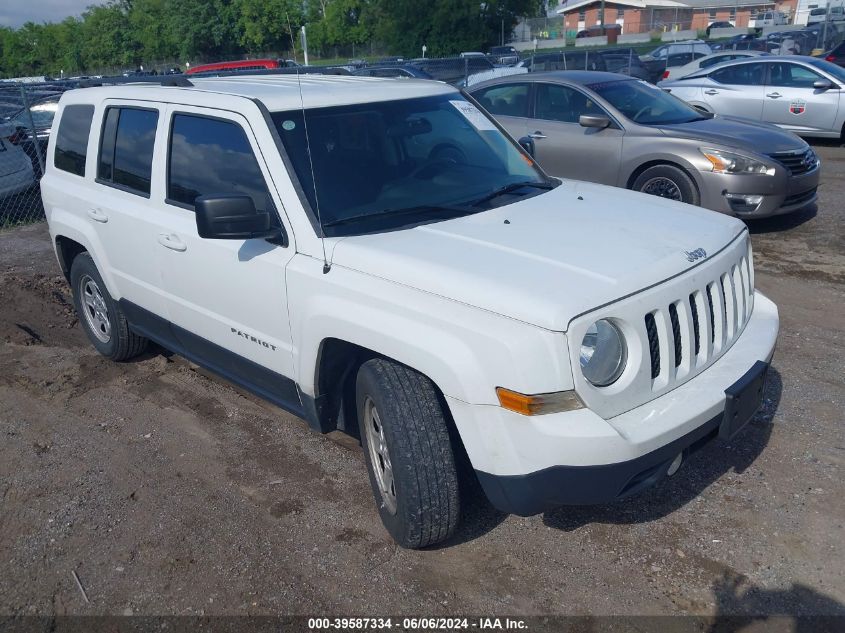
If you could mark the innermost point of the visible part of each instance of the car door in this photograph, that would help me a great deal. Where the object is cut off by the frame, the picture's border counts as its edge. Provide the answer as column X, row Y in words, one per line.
column 566, row 149
column 125, row 211
column 792, row 102
column 226, row 299
column 508, row 103
column 737, row 90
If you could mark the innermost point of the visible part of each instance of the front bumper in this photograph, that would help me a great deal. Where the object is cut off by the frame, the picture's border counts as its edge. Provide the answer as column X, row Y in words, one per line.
column 781, row 193
column 530, row 464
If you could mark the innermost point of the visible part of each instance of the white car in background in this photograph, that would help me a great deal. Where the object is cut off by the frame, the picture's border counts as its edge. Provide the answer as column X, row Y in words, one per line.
column 707, row 61
column 689, row 46
column 798, row 93
column 16, row 172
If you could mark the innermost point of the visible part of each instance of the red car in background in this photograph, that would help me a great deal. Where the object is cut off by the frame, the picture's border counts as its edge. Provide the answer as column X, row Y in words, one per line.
column 241, row 65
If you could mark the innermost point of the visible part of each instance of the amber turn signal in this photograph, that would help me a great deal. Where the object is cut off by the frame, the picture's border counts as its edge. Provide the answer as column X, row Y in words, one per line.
column 538, row 404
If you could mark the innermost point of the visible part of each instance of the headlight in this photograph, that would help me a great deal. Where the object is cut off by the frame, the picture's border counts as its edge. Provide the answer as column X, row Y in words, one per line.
column 603, row 353
column 730, row 163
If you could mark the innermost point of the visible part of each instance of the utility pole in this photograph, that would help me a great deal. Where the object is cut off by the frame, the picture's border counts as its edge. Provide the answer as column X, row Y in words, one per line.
column 304, row 45
column 601, row 14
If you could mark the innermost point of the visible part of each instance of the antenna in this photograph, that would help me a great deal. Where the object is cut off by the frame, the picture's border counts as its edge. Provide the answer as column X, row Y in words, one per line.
column 326, row 265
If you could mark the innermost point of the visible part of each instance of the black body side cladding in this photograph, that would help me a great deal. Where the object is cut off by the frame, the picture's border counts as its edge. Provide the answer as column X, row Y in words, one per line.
column 276, row 388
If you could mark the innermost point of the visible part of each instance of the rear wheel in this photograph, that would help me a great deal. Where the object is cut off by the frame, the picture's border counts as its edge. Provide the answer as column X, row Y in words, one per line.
column 408, row 452
column 100, row 315
column 667, row 181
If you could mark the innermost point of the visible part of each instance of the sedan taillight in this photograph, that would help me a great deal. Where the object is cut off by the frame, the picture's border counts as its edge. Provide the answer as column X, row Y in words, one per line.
column 830, row 58
column 665, row 74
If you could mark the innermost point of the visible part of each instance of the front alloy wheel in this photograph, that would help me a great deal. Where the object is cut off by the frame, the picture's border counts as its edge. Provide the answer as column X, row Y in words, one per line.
column 379, row 455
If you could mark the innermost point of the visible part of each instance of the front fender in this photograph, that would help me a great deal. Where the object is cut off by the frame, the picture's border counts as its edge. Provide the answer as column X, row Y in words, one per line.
column 466, row 351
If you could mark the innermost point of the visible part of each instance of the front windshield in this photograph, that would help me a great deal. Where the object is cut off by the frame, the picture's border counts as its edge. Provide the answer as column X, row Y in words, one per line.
column 645, row 104
column 384, row 165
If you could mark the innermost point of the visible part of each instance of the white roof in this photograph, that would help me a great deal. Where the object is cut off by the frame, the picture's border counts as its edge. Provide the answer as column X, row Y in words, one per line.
column 277, row 92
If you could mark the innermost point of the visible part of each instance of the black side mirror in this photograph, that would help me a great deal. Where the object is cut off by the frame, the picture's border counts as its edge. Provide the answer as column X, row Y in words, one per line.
column 232, row 217
column 822, row 84
column 594, row 120
column 527, row 144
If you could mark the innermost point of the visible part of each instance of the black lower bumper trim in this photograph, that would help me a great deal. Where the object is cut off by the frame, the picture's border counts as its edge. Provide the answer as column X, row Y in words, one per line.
column 536, row 492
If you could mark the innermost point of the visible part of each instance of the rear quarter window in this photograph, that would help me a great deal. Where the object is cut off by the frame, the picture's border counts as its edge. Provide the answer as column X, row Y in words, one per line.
column 72, row 138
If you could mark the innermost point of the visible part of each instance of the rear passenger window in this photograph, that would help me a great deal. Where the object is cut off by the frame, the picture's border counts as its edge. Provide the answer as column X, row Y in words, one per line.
column 505, row 100
column 126, row 148
column 72, row 138
column 740, row 75
column 212, row 156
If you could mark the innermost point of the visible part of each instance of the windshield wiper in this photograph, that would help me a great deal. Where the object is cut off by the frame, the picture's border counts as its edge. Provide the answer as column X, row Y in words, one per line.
column 452, row 211
column 510, row 188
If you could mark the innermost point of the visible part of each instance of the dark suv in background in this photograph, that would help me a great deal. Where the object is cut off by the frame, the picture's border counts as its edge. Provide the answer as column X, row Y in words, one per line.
column 504, row 55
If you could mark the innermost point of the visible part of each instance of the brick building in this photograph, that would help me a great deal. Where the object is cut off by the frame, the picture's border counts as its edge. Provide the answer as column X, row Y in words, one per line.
column 642, row 16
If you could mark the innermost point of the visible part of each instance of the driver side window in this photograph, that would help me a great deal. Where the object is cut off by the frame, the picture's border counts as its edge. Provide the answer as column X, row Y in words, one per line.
column 792, row 76
column 562, row 103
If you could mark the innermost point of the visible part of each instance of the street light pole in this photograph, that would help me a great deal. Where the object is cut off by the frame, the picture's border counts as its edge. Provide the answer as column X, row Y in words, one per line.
column 601, row 14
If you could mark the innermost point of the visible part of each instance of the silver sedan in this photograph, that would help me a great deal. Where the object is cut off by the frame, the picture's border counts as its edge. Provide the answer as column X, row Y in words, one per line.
column 616, row 130
column 800, row 94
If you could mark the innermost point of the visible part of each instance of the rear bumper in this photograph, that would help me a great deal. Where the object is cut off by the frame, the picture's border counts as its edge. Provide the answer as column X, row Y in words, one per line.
column 21, row 180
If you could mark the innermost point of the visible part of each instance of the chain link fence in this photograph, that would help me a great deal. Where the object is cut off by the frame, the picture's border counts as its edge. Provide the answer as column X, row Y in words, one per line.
column 26, row 117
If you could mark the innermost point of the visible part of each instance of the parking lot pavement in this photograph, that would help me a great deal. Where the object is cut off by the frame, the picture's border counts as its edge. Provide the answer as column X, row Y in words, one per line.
column 169, row 492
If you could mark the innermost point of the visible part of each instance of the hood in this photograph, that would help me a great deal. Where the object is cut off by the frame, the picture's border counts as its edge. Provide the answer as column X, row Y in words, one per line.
column 743, row 134
column 560, row 254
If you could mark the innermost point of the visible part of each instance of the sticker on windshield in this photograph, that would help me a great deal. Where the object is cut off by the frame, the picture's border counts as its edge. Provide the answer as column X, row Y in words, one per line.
column 797, row 107
column 473, row 115
column 288, row 125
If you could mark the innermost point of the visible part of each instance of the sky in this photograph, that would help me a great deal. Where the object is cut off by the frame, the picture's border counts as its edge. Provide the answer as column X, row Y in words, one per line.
column 15, row 12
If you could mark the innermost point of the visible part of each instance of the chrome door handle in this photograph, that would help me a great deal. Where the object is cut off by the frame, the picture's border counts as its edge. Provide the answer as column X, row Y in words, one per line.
column 97, row 215
column 172, row 242
column 774, row 95
column 537, row 134
column 711, row 92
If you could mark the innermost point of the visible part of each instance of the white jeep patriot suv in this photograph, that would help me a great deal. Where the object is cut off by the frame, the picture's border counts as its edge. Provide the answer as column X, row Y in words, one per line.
column 377, row 256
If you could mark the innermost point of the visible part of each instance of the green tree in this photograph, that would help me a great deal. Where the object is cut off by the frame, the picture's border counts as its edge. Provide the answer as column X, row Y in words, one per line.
column 107, row 39
column 269, row 25
column 447, row 27
column 341, row 23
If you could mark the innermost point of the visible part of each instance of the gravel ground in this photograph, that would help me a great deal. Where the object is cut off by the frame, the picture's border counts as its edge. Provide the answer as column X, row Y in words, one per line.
column 169, row 492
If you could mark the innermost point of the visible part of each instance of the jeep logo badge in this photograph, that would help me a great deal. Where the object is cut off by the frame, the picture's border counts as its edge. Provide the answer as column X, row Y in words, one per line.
column 693, row 256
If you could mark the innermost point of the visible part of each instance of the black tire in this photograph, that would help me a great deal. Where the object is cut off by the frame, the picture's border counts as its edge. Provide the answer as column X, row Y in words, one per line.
column 667, row 181
column 413, row 427
column 115, row 341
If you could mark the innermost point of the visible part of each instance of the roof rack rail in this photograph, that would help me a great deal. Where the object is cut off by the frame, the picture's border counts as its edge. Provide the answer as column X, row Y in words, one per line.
column 171, row 81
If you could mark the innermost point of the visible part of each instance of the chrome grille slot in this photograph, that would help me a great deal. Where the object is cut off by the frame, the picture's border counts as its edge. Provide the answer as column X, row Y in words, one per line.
column 653, row 344
column 696, row 330
column 676, row 333
column 709, row 290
